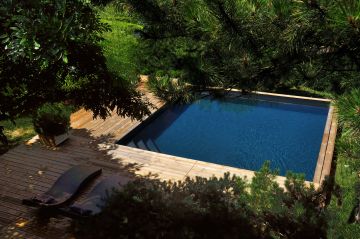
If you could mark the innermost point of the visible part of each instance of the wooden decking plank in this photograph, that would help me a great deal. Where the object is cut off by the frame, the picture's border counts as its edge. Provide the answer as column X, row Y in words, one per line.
column 2, row 225
column 18, row 180
column 80, row 155
column 117, row 126
column 35, row 164
column 329, row 151
column 164, row 163
column 10, row 211
column 8, row 216
column 13, row 206
column 21, row 168
column 99, row 128
column 17, row 169
column 119, row 132
column 323, row 146
column 19, row 195
column 10, row 200
column 91, row 125
column 58, row 158
column 79, row 115
column 18, row 192
column 15, row 189
column 125, row 130
column 80, row 123
column 81, row 119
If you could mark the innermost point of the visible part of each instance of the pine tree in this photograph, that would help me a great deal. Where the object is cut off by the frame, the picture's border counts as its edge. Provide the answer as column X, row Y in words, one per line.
column 253, row 44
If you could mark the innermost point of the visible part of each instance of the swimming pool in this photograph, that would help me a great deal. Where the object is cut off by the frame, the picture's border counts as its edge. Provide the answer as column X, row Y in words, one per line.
column 242, row 132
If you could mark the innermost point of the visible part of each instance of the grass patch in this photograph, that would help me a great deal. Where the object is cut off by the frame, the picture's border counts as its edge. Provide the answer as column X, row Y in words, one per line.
column 346, row 176
column 21, row 131
column 120, row 45
column 17, row 133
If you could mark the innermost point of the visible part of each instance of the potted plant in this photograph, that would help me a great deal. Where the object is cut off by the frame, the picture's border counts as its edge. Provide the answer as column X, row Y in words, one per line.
column 52, row 122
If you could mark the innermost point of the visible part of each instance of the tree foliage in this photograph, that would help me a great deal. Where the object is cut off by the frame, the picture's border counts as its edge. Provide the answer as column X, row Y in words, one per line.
column 169, row 89
column 49, row 52
column 226, row 207
column 253, row 44
column 348, row 106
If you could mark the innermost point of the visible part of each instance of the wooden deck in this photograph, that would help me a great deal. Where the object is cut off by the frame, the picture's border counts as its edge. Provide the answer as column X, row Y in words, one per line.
column 32, row 168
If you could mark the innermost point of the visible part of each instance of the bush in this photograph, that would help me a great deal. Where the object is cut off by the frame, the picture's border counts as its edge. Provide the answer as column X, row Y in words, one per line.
column 349, row 118
column 52, row 119
column 349, row 110
column 170, row 89
column 224, row 207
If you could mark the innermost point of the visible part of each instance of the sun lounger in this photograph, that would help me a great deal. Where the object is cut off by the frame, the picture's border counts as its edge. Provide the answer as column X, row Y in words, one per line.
column 93, row 202
column 66, row 187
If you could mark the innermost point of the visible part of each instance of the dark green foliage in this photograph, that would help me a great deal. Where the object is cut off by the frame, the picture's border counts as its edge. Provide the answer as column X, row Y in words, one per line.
column 348, row 168
column 16, row 132
column 170, row 89
column 49, row 52
column 210, row 208
column 355, row 213
column 154, row 209
column 120, row 44
column 349, row 111
column 348, row 107
column 271, row 44
column 100, row 2
column 3, row 138
column 52, row 119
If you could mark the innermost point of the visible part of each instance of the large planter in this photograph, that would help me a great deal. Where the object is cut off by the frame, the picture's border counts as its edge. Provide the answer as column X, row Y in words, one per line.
column 53, row 141
column 52, row 123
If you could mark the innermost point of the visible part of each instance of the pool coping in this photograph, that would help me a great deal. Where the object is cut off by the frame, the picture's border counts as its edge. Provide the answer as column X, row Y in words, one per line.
column 323, row 166
column 324, row 161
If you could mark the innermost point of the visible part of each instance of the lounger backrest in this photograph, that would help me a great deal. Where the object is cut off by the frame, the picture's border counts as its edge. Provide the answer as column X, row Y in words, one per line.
column 69, row 182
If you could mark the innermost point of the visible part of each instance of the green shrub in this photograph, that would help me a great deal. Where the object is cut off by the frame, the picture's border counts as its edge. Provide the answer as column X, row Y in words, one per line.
column 349, row 118
column 226, row 207
column 349, row 111
column 52, row 119
column 170, row 89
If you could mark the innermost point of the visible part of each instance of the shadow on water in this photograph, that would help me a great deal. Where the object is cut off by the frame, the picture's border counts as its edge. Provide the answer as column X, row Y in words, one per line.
column 143, row 137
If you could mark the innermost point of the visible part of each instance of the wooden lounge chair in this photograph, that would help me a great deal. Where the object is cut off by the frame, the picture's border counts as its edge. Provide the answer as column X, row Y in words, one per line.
column 66, row 187
column 93, row 203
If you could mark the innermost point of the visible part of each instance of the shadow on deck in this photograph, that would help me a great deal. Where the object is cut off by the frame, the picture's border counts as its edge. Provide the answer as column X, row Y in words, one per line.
column 32, row 169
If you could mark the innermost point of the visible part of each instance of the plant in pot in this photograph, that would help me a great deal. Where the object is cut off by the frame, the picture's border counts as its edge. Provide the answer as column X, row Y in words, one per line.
column 52, row 122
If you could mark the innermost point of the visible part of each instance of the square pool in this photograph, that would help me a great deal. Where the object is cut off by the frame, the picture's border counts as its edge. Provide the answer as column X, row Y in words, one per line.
column 238, row 131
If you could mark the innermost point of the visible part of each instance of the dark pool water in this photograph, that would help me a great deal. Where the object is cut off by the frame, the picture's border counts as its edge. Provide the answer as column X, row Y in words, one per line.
column 238, row 132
